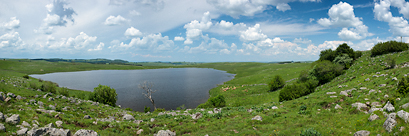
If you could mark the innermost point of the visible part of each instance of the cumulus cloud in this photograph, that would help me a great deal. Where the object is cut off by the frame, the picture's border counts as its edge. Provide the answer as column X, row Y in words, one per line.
column 14, row 23
column 79, row 42
column 154, row 42
column 208, row 45
column 236, row 8
column 132, row 32
column 58, row 14
column 98, row 48
column 398, row 25
column 11, row 39
column 156, row 4
column 342, row 15
column 113, row 21
column 178, row 38
column 227, row 28
column 194, row 28
column 252, row 34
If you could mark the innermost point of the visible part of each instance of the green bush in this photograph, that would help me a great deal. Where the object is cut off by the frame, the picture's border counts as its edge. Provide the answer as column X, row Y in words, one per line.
column 147, row 109
column 327, row 55
column 403, row 86
column 311, row 84
column 388, row 47
column 64, row 91
column 293, row 91
column 391, row 61
column 26, row 77
column 159, row 110
column 345, row 49
column 343, row 60
column 310, row 132
column 128, row 109
column 325, row 71
column 277, row 83
column 357, row 54
column 48, row 86
column 33, row 86
column 104, row 94
column 218, row 101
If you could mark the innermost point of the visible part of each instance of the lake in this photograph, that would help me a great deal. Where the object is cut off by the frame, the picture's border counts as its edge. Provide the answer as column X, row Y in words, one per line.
column 175, row 86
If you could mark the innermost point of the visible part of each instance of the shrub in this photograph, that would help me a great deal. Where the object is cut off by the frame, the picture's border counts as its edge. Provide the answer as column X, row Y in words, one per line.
column 403, row 86
column 147, row 109
column 128, row 109
column 33, row 85
column 64, row 91
column 327, row 55
column 48, row 86
column 345, row 49
column 310, row 132
column 311, row 84
column 343, row 60
column 104, row 94
column 303, row 76
column 218, row 101
column 303, row 110
column 391, row 61
column 357, row 54
column 277, row 83
column 325, row 71
column 40, row 80
column 388, row 47
column 26, row 77
column 159, row 110
column 293, row 91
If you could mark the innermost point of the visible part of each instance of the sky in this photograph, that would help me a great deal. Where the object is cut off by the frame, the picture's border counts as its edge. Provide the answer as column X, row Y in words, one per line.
column 196, row 30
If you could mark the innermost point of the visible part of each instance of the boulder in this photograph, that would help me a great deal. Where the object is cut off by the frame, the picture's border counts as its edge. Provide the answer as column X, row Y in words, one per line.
column 362, row 133
column 331, row 92
column 25, row 124
column 367, row 79
column 59, row 132
column 373, row 109
column 382, row 85
column 343, row 93
column 139, row 131
column 38, row 132
column 338, row 107
column 40, row 103
column 373, row 117
column 370, row 91
column 83, row 132
column 11, row 95
column 51, row 107
column 138, row 121
column 128, row 117
column 152, row 119
column 14, row 119
column 7, row 99
column 362, row 88
column 165, row 133
column 87, row 117
column 389, row 107
column 19, row 97
column 210, row 112
column 1, row 116
column 359, row 105
column 2, row 128
column 394, row 79
column 197, row 115
column 216, row 110
column 258, row 117
column 51, row 125
column 51, row 99
column 22, row 132
column 59, row 123
column 386, row 96
column 389, row 124
column 333, row 96
column 403, row 115
column 406, row 105
column 274, row 107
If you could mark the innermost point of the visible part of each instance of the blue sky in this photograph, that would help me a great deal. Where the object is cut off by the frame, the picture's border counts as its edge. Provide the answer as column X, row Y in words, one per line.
column 196, row 30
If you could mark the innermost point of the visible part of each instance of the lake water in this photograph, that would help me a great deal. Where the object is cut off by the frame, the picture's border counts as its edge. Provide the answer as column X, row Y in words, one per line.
column 176, row 86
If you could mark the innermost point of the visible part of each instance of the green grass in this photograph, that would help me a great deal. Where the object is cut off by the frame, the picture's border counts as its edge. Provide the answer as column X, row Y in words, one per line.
column 250, row 93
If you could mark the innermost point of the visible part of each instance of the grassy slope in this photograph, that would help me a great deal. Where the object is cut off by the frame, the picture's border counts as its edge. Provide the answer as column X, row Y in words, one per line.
column 236, row 120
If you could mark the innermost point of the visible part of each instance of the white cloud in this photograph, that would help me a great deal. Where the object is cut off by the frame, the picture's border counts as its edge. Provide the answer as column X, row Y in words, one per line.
column 367, row 44
column 113, row 21
column 178, row 38
column 209, row 46
column 227, row 28
column 57, row 15
column 134, row 13
column 98, row 48
column 302, row 41
column 312, row 20
column 132, row 32
column 194, row 28
column 156, row 4
column 153, row 42
column 272, row 29
column 252, row 34
column 236, row 8
column 342, row 15
column 398, row 25
column 14, row 23
column 11, row 39
column 79, row 42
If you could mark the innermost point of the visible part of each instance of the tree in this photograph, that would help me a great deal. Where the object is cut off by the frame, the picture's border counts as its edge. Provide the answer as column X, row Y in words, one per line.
column 104, row 94
column 327, row 54
column 343, row 60
column 277, row 83
column 147, row 87
column 345, row 49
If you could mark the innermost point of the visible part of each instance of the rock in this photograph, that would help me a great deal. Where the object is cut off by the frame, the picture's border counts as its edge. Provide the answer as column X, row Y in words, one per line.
column 138, row 121
column 370, row 91
column 404, row 106
column 59, row 132
column 25, row 124
column 373, row 117
column 362, row 133
column 11, row 95
column 19, row 97
column 51, row 99
column 39, row 90
column 197, row 115
column 58, row 123
column 249, row 110
column 210, row 112
column 375, row 76
column 63, row 97
column 165, row 133
column 128, row 117
column 14, row 119
column 367, row 79
column 373, row 109
column 152, row 119
column 359, row 105
column 338, row 107
column 274, row 107
column 38, row 132
column 375, row 104
column 397, row 99
column 257, row 118
column 139, row 131
column 389, row 124
column 83, row 132
column 333, row 96
column 331, row 92
column 362, row 88
column 51, row 107
column 386, row 96
column 378, row 73
column 40, row 103
column 343, row 93
column 7, row 99
column 394, row 79
column 87, row 117
column 2, row 128
column 22, row 132
column 216, row 110
column 403, row 115
column 389, row 107
column 382, row 85
column 36, row 96
column 51, row 125
column 1, row 116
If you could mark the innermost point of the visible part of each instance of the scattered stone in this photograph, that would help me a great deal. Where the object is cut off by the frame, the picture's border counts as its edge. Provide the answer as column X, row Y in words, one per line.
column 63, row 97
column 375, row 76
column 331, row 92
column 22, row 132
column 36, row 96
column 370, row 91
column 373, row 117
column 1, row 116
column 389, row 107
column 378, row 73
column 249, row 110
column 359, row 105
column 382, row 85
column 58, row 123
column 389, row 124
column 87, row 117
column 128, row 117
column 14, row 119
column 362, row 133
column 403, row 115
column 257, row 118
column 40, row 103
column 51, row 125
column 139, row 131
column 7, row 99
column 343, row 93
column 19, row 97
column 51, row 99
column 51, row 107
column 401, row 128
column 216, row 110
column 83, row 132
column 367, row 79
column 362, row 88
column 374, row 109
column 210, row 112
column 138, row 121
column 2, row 127
column 11, row 95
column 404, row 106
column 197, row 115
column 338, row 107
column 333, row 96
column 165, row 133
column 25, row 124
column 274, row 107
column 394, row 79
column 152, row 119
column 386, row 96
column 398, row 99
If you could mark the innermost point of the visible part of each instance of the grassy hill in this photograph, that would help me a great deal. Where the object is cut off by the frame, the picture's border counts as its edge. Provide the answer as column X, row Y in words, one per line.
column 246, row 98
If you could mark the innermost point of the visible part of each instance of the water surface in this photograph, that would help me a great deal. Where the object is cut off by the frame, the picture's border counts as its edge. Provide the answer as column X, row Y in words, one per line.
column 176, row 86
